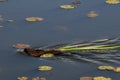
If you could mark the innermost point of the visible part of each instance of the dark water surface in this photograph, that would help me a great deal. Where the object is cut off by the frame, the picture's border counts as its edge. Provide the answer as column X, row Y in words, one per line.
column 59, row 26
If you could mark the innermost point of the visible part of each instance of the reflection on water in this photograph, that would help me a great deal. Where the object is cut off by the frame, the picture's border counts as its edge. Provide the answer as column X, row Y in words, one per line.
column 76, row 25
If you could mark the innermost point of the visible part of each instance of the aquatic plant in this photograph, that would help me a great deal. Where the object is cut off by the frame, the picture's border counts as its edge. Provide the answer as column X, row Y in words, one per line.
column 117, row 69
column 95, row 78
column 86, row 78
column 67, row 6
column 92, row 14
column 10, row 20
column 111, row 68
column 21, row 46
column 44, row 68
column 101, row 78
column 34, row 19
column 22, row 78
column 112, row 1
column 37, row 78
column 106, row 68
column 47, row 55
column 76, row 2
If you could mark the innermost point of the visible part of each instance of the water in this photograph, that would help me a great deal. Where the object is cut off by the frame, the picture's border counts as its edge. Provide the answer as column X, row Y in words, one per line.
column 59, row 26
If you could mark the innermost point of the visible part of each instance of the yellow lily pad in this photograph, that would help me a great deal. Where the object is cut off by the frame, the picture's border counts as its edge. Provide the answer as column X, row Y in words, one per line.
column 22, row 78
column 37, row 78
column 101, row 78
column 112, row 1
column 44, row 68
column 67, row 6
column 86, row 78
column 106, row 68
column 48, row 55
column 117, row 69
column 34, row 19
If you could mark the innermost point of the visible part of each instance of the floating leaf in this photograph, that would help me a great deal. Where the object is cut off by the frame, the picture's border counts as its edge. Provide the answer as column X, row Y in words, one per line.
column 10, row 20
column 112, row 1
column 92, row 14
column 22, row 78
column 101, row 78
column 21, row 46
column 86, row 78
column 48, row 55
column 67, row 6
column 106, row 68
column 34, row 19
column 37, row 78
column 76, row 2
column 44, row 68
column 117, row 69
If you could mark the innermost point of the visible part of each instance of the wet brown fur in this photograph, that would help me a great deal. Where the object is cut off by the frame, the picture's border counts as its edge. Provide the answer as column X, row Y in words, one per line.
column 38, row 53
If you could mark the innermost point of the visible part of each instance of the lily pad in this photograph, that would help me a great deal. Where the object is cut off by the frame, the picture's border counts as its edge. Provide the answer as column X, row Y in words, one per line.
column 44, row 68
column 112, row 1
column 86, row 78
column 117, row 69
column 34, row 19
column 10, row 20
column 101, row 78
column 92, row 14
column 21, row 46
column 22, row 78
column 67, row 6
column 37, row 78
column 48, row 55
column 76, row 2
column 106, row 68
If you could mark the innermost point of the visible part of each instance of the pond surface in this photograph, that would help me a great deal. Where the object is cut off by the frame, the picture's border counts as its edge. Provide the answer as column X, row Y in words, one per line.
column 59, row 26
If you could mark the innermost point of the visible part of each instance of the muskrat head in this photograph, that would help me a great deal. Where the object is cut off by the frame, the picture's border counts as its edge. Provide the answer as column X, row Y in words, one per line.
column 33, row 52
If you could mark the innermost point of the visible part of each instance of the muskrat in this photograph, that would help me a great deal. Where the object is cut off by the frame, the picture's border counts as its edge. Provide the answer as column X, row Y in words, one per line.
column 38, row 53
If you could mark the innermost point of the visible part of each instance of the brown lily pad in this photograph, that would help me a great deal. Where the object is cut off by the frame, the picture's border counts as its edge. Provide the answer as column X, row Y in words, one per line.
column 21, row 46
column 76, row 2
column 86, row 78
column 34, row 19
column 92, row 14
